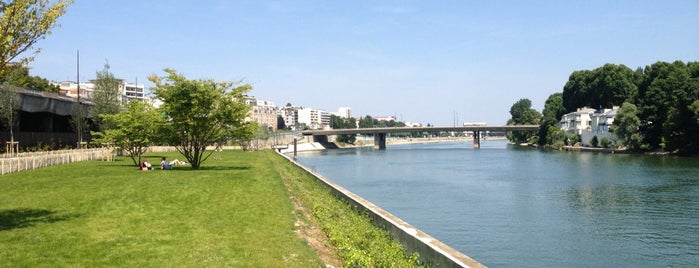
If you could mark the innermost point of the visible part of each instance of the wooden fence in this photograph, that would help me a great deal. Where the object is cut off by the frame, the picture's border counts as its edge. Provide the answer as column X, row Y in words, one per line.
column 28, row 161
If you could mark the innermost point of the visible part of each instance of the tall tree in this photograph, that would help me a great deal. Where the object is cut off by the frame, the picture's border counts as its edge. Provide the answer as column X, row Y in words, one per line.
column 522, row 114
column 552, row 113
column 604, row 87
column 201, row 112
column 135, row 128
column 9, row 105
column 22, row 24
column 105, row 98
column 626, row 126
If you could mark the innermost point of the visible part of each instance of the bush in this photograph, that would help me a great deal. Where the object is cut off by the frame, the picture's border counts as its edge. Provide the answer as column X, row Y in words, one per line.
column 594, row 142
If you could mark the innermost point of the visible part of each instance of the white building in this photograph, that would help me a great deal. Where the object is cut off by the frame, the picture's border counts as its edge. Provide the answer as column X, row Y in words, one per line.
column 590, row 123
column 344, row 112
column 263, row 112
column 127, row 91
column 313, row 118
column 577, row 121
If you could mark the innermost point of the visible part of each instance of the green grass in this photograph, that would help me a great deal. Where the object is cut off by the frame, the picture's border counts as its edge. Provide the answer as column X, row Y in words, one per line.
column 232, row 212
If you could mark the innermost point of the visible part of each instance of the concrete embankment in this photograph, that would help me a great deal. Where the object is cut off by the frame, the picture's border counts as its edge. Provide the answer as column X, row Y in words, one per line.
column 430, row 249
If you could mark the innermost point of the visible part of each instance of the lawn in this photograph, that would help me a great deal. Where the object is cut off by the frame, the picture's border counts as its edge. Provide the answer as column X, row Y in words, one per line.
column 234, row 211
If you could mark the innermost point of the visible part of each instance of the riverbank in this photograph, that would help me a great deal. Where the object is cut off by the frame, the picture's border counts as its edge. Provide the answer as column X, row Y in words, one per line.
column 240, row 209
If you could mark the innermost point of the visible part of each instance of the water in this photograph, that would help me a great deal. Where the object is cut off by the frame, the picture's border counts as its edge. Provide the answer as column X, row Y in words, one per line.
column 507, row 206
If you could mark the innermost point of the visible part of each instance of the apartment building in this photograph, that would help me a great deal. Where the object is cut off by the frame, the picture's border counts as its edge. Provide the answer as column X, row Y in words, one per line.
column 263, row 112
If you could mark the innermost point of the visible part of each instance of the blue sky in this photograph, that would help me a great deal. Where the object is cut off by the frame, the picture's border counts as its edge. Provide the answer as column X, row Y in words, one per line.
column 422, row 61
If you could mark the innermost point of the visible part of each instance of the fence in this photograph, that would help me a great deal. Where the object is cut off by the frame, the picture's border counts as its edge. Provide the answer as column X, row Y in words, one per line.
column 28, row 161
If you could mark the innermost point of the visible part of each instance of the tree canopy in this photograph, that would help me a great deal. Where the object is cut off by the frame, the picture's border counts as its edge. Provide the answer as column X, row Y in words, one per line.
column 606, row 86
column 22, row 24
column 135, row 128
column 522, row 114
column 200, row 112
column 105, row 98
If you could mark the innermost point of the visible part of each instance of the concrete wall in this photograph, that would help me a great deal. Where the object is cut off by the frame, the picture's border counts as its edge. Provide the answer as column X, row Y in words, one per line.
column 430, row 249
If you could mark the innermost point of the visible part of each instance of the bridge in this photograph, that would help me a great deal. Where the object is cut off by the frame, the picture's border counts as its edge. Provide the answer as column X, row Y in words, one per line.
column 380, row 133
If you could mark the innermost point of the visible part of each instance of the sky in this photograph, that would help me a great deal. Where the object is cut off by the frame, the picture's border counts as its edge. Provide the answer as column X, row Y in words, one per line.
column 430, row 62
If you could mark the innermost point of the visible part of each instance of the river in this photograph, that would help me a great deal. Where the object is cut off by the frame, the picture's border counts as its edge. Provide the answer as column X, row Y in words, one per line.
column 508, row 206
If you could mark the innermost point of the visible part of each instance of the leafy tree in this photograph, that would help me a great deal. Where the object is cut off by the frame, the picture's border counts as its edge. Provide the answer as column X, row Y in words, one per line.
column 665, row 95
column 9, row 105
column 337, row 122
column 366, row 122
column 78, row 120
column 280, row 122
column 135, row 128
column 607, row 86
column 244, row 134
column 22, row 24
column 19, row 76
column 552, row 113
column 522, row 114
column 626, row 126
column 201, row 112
column 105, row 98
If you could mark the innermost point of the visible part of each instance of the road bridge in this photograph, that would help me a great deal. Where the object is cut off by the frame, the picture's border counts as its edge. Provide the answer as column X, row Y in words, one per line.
column 380, row 133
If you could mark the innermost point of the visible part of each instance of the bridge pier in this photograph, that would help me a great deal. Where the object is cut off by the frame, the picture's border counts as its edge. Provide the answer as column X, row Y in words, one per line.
column 476, row 139
column 380, row 141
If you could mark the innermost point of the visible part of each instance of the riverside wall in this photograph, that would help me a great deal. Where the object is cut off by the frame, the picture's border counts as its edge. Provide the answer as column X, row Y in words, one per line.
column 430, row 249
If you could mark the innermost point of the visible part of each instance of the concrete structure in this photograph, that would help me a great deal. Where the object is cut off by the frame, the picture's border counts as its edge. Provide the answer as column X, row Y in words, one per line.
column 431, row 250
column 380, row 133
column 263, row 112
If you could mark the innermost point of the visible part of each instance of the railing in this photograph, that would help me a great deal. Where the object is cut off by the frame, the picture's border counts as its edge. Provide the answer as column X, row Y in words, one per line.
column 28, row 161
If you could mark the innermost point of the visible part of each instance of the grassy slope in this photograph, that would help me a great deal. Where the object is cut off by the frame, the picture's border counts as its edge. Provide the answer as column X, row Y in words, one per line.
column 232, row 212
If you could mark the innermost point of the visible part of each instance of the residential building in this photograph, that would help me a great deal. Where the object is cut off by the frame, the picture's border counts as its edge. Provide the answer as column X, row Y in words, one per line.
column 263, row 112
column 127, row 91
column 290, row 114
column 590, row 123
column 313, row 118
column 577, row 121
column 345, row 112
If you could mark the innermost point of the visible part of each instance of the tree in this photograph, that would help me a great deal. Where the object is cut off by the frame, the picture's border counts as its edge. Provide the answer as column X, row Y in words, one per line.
column 22, row 24
column 105, row 98
column 19, row 76
column 337, row 122
column 9, row 104
column 552, row 113
column 78, row 120
column 135, row 128
column 280, row 122
column 606, row 86
column 201, row 112
column 522, row 114
column 626, row 126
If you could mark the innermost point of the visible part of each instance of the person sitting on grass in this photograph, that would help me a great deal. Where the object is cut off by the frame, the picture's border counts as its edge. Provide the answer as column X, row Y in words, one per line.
column 164, row 164
column 145, row 166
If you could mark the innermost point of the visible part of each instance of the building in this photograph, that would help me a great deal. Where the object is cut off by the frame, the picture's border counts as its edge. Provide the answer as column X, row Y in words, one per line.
column 590, row 123
column 127, row 91
column 577, row 121
column 313, row 118
column 344, row 112
column 263, row 112
column 290, row 114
